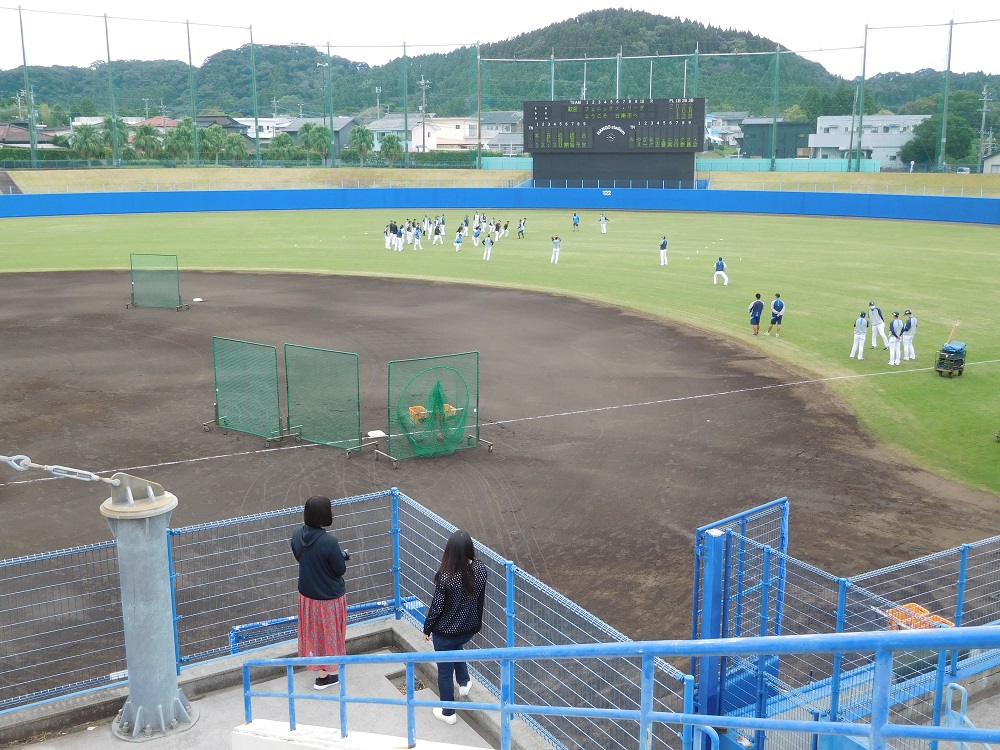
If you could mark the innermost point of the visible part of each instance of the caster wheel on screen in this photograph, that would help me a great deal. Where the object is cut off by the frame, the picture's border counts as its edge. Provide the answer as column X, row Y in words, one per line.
column 267, row 443
column 395, row 464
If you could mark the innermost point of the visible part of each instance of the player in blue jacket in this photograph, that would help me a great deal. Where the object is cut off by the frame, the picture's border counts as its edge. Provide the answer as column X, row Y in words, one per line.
column 720, row 270
column 777, row 311
column 756, row 309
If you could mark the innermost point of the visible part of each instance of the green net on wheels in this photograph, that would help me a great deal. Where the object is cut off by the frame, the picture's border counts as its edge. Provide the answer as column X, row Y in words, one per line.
column 433, row 405
column 155, row 281
column 246, row 387
column 324, row 396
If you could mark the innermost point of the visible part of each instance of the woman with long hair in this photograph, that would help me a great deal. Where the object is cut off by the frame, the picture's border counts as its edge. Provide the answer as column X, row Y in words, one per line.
column 322, row 601
column 455, row 614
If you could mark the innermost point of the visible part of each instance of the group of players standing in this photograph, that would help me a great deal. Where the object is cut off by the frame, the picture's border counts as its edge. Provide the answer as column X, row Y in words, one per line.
column 397, row 236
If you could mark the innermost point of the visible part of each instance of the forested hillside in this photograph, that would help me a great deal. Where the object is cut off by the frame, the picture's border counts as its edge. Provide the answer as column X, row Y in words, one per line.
column 290, row 79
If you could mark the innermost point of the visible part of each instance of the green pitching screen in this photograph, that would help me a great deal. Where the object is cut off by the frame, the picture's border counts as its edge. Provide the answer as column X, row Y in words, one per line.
column 433, row 405
column 155, row 281
column 324, row 396
column 246, row 387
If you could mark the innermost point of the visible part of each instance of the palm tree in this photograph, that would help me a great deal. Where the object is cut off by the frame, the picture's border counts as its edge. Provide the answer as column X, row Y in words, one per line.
column 391, row 148
column 314, row 138
column 362, row 140
column 213, row 141
column 179, row 141
column 282, row 147
column 235, row 148
column 87, row 142
column 114, row 132
column 147, row 141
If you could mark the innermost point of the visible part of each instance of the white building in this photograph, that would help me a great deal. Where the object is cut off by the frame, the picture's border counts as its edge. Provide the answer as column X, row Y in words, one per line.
column 991, row 164
column 881, row 137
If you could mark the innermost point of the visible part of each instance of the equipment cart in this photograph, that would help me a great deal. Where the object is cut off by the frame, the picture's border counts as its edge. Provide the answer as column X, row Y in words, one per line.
column 951, row 359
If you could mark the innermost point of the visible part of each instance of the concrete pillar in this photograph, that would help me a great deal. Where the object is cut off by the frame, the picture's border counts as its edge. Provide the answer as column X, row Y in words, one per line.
column 138, row 512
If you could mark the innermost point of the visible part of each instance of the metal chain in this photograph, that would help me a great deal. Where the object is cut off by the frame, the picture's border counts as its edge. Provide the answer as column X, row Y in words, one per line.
column 23, row 463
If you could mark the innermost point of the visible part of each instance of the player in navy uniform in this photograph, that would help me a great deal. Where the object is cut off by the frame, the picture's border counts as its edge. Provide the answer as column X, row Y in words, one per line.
column 876, row 321
column 520, row 228
column 756, row 309
column 777, row 310
column 663, row 251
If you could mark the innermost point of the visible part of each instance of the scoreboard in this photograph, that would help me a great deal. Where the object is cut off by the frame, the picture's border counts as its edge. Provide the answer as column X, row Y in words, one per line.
column 615, row 126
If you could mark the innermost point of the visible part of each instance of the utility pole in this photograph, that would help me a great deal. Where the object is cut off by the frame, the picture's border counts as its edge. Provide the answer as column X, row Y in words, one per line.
column 982, row 128
column 146, row 101
column 378, row 103
column 274, row 107
column 424, row 84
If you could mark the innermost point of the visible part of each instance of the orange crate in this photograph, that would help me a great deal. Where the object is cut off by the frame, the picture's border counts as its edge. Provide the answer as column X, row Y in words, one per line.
column 418, row 414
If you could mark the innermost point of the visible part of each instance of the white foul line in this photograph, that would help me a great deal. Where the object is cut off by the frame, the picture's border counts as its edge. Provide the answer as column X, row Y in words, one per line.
column 577, row 412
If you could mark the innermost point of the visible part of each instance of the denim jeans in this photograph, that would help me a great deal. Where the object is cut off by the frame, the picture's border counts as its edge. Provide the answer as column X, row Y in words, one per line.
column 450, row 671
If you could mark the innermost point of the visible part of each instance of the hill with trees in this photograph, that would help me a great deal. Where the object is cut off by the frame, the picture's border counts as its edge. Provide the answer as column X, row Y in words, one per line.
column 733, row 69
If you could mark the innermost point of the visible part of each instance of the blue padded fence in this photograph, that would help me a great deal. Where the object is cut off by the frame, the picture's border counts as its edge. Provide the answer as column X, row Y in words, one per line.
column 604, row 198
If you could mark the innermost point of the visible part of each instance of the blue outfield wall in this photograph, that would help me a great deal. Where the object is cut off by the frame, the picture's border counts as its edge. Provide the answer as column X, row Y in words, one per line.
column 922, row 208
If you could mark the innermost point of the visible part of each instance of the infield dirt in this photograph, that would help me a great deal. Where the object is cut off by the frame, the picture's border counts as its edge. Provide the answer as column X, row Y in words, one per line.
column 615, row 435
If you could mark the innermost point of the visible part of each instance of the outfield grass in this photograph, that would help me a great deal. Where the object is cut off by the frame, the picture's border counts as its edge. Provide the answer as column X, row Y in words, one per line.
column 825, row 269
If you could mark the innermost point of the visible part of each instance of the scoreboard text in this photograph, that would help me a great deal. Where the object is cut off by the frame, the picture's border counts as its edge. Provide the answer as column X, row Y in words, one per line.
column 610, row 125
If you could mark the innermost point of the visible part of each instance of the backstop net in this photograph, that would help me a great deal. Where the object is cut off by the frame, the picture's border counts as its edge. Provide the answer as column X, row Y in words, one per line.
column 155, row 281
column 324, row 396
column 433, row 405
column 246, row 387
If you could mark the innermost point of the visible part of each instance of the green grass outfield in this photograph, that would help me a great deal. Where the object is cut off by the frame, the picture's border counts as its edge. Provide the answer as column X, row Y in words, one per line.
column 825, row 269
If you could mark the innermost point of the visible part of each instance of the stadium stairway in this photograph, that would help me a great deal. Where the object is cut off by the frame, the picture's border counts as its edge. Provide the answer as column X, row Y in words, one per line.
column 8, row 186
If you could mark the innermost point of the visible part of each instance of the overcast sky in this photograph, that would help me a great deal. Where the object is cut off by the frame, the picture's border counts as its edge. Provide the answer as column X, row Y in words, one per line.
column 363, row 31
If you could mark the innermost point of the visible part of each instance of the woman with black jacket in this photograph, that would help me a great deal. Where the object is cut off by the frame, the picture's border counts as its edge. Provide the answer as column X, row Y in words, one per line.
column 455, row 614
column 322, row 603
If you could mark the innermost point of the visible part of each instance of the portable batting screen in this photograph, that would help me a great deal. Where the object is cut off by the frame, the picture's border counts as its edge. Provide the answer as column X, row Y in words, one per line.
column 155, row 281
column 246, row 387
column 433, row 405
column 324, row 396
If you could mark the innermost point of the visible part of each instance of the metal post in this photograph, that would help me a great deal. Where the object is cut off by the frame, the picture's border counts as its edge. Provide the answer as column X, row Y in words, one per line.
column 509, row 607
column 194, row 97
column 942, row 156
column 687, row 731
column 880, row 699
column 861, row 99
column 711, row 620
column 138, row 513
column 982, row 129
column 411, row 712
column 397, row 598
column 256, row 118
column 552, row 76
column 646, row 704
column 765, row 604
column 506, row 698
column 32, row 130
column 618, row 74
column 694, row 88
column 651, row 78
column 963, row 577
column 838, row 658
column 111, row 90
column 328, row 80
column 406, row 113
column 479, row 108
column 774, row 107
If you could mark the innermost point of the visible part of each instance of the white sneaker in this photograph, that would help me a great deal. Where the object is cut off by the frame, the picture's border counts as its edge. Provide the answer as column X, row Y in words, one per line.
column 767, row 333
column 463, row 690
column 439, row 714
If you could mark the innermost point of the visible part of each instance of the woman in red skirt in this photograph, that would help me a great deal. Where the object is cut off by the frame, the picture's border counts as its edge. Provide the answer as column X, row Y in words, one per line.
column 322, row 604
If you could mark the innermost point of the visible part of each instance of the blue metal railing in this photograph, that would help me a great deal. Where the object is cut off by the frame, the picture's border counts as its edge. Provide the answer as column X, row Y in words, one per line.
column 877, row 730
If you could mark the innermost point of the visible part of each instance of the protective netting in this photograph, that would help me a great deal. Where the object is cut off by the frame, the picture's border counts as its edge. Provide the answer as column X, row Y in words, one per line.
column 433, row 405
column 246, row 387
column 324, row 394
column 155, row 281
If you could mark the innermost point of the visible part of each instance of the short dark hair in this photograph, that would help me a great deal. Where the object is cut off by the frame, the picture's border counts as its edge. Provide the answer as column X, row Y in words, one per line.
column 757, row 295
column 317, row 512
column 776, row 294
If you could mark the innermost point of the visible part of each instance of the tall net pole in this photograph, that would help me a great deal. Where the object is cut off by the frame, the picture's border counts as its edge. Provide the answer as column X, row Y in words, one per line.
column 861, row 101
column 406, row 113
column 194, row 96
column 256, row 118
column 479, row 109
column 111, row 93
column 774, row 107
column 32, row 134
column 944, row 105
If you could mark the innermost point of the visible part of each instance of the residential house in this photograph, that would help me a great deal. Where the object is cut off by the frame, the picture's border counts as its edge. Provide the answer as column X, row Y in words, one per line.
column 881, row 137
column 267, row 127
column 16, row 135
column 162, row 124
column 342, row 127
column 991, row 164
column 723, row 128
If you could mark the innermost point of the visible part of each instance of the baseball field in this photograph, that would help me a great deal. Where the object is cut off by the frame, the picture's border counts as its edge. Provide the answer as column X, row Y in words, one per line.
column 887, row 462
